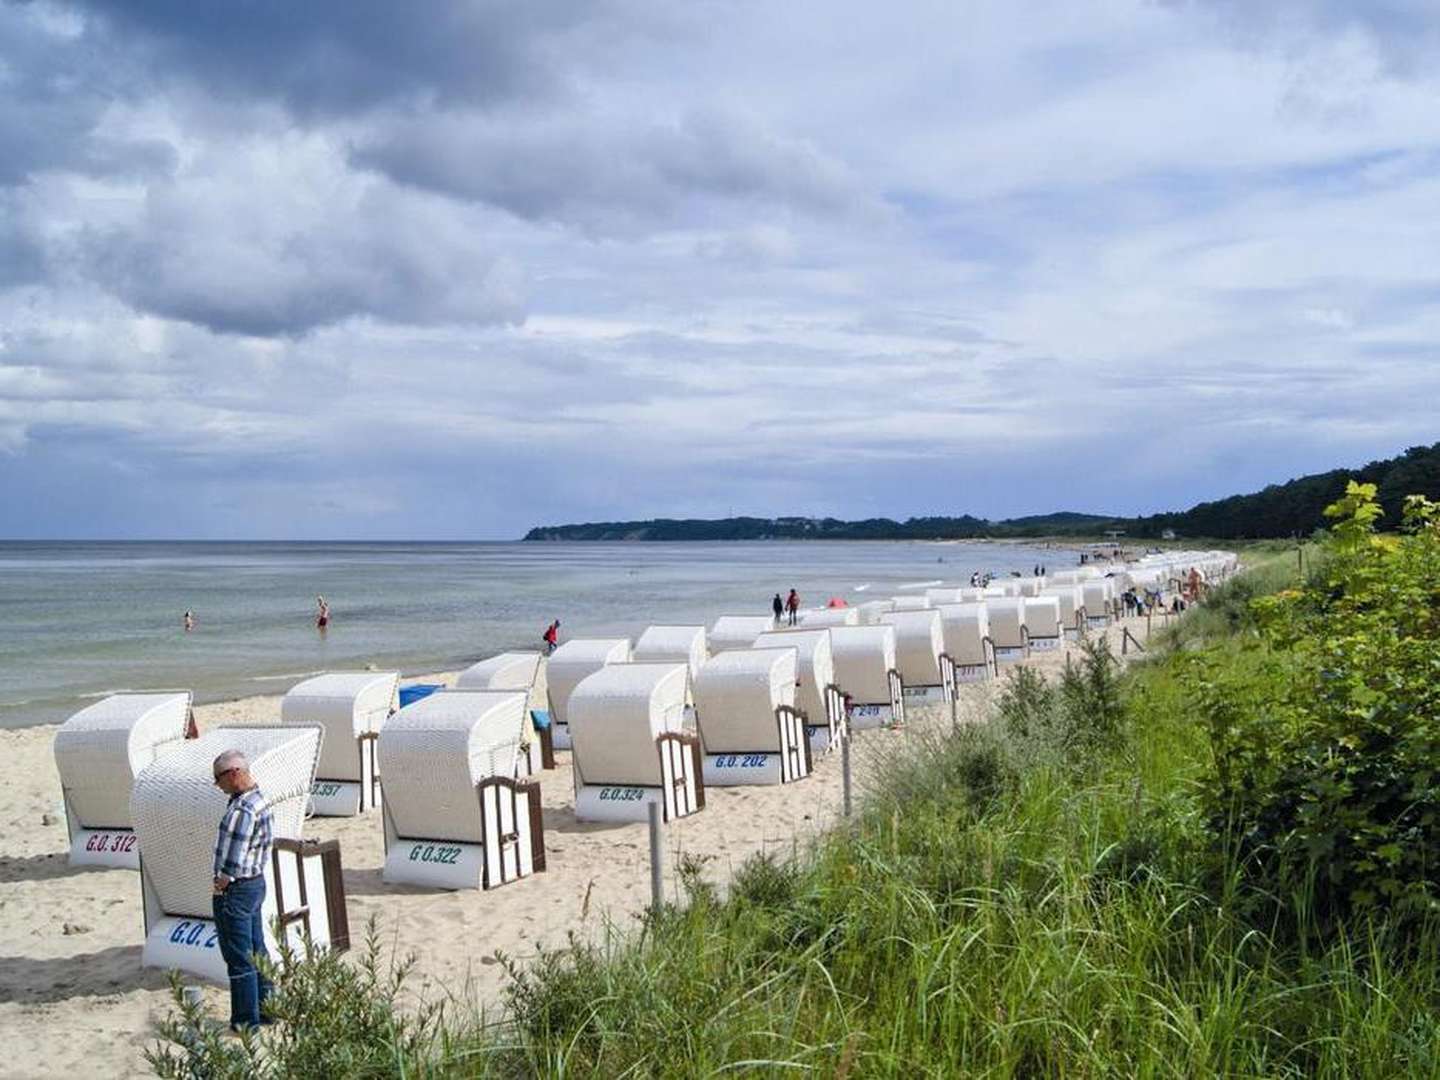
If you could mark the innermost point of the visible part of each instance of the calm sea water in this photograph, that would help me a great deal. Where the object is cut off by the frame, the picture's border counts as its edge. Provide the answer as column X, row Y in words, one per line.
column 79, row 620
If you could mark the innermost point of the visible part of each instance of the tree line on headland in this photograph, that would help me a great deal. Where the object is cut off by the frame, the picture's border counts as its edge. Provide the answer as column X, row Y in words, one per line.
column 1280, row 510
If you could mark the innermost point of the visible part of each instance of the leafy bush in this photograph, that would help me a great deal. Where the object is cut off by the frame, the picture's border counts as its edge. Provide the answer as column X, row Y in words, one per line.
column 1327, row 751
column 332, row 1018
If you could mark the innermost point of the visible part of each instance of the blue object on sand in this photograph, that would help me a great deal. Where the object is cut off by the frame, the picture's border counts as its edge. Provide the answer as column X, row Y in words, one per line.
column 409, row 694
column 540, row 718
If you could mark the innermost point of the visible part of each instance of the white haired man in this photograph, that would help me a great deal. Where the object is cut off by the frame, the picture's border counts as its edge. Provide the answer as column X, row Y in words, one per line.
column 241, row 849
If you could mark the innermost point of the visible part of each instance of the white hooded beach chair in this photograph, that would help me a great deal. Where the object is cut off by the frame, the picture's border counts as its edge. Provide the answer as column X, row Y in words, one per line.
column 909, row 603
column 965, row 629
column 352, row 707
column 177, row 809
column 872, row 610
column 455, row 815
column 1007, row 628
column 818, row 618
column 920, row 657
column 1063, row 577
column 1043, row 625
column 738, row 631
column 864, row 658
column 517, row 671
column 946, row 595
column 672, row 644
column 1072, row 609
column 98, row 752
column 750, row 730
column 1030, row 586
column 567, row 666
column 1098, row 594
column 630, row 748
column 819, row 699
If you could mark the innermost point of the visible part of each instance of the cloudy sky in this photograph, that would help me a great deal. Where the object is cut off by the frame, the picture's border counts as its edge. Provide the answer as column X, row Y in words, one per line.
column 372, row 270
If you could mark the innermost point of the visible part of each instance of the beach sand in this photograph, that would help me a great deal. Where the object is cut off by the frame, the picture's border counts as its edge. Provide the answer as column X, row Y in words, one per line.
column 74, row 1000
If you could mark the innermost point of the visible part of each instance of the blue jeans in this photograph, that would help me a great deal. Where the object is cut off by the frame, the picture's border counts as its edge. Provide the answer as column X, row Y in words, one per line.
column 242, row 939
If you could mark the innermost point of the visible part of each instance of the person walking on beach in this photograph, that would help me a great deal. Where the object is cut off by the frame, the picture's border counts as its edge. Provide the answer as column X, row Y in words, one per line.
column 551, row 637
column 778, row 607
column 189, row 621
column 242, row 849
column 322, row 613
column 792, row 605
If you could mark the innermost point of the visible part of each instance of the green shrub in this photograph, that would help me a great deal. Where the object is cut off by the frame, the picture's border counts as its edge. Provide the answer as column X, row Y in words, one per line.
column 1327, row 751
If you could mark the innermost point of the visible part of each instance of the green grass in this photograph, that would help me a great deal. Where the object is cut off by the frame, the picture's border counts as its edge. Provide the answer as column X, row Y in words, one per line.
column 1009, row 902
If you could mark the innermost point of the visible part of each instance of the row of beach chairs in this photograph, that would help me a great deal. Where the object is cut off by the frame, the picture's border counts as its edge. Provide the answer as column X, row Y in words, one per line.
column 746, row 702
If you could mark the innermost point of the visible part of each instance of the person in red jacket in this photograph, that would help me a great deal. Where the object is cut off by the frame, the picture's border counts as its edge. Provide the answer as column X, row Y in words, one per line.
column 551, row 636
column 792, row 605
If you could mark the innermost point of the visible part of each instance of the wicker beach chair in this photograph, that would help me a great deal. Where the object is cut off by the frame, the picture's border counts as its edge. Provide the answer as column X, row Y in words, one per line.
column 629, row 744
column 819, row 699
column 518, row 671
column 738, row 631
column 965, row 629
column 1007, row 629
column 352, row 707
column 568, row 666
column 864, row 659
column 98, row 752
column 920, row 655
column 455, row 816
column 177, row 808
column 750, row 729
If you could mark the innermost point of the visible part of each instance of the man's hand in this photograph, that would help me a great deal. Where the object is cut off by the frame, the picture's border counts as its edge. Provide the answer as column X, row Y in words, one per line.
column 220, row 884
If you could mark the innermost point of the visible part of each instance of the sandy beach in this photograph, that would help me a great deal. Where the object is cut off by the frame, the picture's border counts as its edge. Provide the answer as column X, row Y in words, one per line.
column 74, row 1000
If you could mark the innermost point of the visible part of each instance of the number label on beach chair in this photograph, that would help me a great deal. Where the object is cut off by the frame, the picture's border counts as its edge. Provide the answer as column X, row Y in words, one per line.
column 440, row 854
column 1009, row 654
column 105, row 847
column 622, row 794
column 1044, row 644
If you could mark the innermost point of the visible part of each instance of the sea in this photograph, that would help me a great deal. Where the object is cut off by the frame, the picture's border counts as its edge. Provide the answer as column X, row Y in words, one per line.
column 80, row 620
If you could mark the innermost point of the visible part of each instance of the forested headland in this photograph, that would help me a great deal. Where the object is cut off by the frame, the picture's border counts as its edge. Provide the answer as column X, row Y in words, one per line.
column 1280, row 510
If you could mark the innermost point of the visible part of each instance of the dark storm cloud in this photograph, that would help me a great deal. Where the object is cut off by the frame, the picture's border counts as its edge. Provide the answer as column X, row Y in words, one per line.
column 326, row 59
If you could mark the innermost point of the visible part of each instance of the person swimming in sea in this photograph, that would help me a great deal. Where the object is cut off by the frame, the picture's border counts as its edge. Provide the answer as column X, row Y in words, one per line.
column 322, row 613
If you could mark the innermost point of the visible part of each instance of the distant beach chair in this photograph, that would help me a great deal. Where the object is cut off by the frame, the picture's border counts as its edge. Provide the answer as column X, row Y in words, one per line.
column 351, row 707
column 1098, row 595
column 972, row 595
column 567, row 666
column 750, row 730
column 630, row 747
column 1063, row 577
column 661, row 644
column 1044, row 630
column 1030, row 586
column 1072, row 609
column 966, row 632
column 1007, row 629
column 737, row 631
column 177, row 809
column 455, row 816
column 819, row 618
column 864, row 658
column 817, row 696
column 946, row 595
column 910, row 603
column 673, row 644
column 925, row 667
column 517, row 671
column 98, row 753
column 871, row 610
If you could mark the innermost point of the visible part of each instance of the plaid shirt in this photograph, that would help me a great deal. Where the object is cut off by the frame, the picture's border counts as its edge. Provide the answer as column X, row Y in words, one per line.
column 244, row 841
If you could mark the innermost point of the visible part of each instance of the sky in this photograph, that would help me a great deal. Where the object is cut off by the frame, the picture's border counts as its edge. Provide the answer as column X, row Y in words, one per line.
column 369, row 270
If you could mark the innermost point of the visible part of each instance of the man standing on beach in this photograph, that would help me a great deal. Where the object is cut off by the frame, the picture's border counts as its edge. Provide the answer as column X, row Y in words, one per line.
column 241, row 851
column 792, row 605
column 778, row 607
